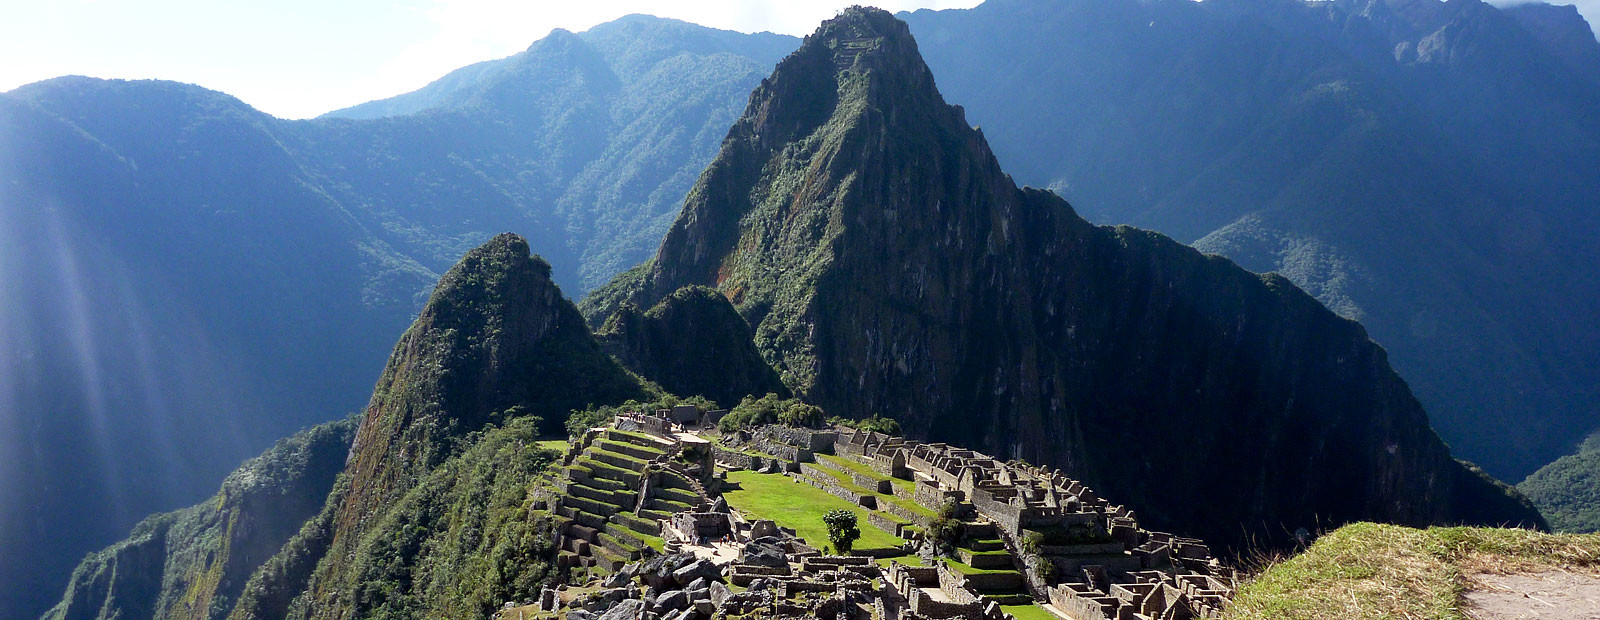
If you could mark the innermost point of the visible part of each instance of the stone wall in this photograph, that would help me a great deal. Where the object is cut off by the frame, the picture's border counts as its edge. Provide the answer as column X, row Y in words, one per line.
column 1086, row 604
column 905, row 513
column 737, row 459
column 884, row 523
column 803, row 438
column 871, row 483
column 812, row 475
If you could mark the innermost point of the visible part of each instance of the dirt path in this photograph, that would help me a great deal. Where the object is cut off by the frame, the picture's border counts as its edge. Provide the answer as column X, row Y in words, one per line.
column 1553, row 595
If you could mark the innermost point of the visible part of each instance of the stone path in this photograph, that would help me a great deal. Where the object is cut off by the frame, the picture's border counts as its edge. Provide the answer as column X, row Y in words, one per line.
column 1554, row 595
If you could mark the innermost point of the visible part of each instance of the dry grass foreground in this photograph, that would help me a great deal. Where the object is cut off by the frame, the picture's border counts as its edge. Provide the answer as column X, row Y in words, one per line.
column 1375, row 571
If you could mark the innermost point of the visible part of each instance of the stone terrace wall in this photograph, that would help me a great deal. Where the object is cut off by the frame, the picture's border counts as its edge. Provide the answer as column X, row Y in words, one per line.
column 804, row 438
column 814, row 476
column 737, row 459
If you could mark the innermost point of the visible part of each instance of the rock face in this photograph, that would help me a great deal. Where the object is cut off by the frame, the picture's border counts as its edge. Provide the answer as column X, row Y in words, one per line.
column 888, row 265
column 194, row 563
column 1423, row 167
column 693, row 343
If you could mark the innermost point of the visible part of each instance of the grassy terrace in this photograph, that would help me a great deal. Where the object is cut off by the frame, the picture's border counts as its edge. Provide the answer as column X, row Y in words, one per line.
column 852, row 465
column 798, row 506
column 559, row 445
column 964, row 568
column 1366, row 570
column 849, row 464
column 1028, row 612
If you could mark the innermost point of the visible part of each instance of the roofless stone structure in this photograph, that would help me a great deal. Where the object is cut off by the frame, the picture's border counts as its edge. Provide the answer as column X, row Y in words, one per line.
column 643, row 501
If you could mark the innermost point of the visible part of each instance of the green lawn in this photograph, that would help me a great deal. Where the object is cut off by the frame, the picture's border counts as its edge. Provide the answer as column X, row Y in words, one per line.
column 904, row 560
column 957, row 565
column 1028, row 612
column 559, row 445
column 799, row 506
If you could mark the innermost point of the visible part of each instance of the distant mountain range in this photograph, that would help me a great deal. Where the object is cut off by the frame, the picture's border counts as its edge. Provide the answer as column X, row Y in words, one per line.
column 887, row 264
column 1427, row 168
column 187, row 279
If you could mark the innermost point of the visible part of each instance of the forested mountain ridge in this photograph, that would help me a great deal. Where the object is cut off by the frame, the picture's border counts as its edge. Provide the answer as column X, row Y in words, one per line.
column 195, row 274
column 1423, row 167
column 888, row 265
column 227, row 277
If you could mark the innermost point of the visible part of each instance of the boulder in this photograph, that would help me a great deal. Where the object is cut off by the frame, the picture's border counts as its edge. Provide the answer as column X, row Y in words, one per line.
column 700, row 569
column 625, row 610
column 720, row 593
column 671, row 601
column 763, row 554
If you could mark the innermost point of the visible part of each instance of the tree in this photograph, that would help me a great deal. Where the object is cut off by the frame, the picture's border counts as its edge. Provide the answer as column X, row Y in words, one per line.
column 842, row 529
column 946, row 530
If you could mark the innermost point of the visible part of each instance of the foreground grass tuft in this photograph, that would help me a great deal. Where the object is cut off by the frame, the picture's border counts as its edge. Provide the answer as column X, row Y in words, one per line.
column 1366, row 570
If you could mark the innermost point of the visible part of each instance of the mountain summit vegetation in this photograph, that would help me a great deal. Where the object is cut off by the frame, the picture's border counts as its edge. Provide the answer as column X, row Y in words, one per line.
column 888, row 265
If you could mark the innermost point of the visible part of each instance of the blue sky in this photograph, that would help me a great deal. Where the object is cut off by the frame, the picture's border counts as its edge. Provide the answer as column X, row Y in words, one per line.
column 300, row 58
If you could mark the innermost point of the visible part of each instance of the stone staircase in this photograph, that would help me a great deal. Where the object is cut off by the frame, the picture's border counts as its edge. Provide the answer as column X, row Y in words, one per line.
column 997, row 573
column 604, row 526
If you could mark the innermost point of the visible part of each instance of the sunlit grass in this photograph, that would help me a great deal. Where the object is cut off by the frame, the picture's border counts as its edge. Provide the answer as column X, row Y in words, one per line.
column 799, row 506
column 1385, row 572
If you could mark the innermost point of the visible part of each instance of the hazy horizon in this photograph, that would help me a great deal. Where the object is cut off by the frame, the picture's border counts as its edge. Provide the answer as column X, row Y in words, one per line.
column 285, row 65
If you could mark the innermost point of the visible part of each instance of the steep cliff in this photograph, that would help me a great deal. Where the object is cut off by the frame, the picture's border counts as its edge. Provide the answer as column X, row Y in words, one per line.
column 693, row 343
column 194, row 563
column 888, row 265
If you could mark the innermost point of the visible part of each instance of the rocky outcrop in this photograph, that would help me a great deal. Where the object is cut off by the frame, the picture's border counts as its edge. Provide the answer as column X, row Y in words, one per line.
column 194, row 563
column 693, row 343
column 888, row 265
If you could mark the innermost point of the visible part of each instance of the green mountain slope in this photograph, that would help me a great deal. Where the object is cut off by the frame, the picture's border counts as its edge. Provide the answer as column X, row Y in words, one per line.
column 692, row 343
column 1567, row 491
column 888, row 265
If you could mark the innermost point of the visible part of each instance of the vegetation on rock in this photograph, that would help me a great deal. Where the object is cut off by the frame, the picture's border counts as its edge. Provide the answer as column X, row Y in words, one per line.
column 692, row 343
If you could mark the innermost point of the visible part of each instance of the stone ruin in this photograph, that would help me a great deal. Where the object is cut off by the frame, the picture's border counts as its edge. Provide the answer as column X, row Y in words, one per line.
column 1029, row 534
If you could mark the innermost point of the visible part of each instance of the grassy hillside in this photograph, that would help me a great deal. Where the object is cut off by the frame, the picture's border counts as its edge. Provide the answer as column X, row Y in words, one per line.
column 1367, row 570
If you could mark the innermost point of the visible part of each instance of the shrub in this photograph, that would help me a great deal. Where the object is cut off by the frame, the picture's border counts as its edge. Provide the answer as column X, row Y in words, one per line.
column 945, row 531
column 770, row 409
column 843, row 529
column 877, row 423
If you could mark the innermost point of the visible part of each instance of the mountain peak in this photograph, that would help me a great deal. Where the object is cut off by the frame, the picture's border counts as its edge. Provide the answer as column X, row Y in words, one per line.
column 888, row 265
column 863, row 33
